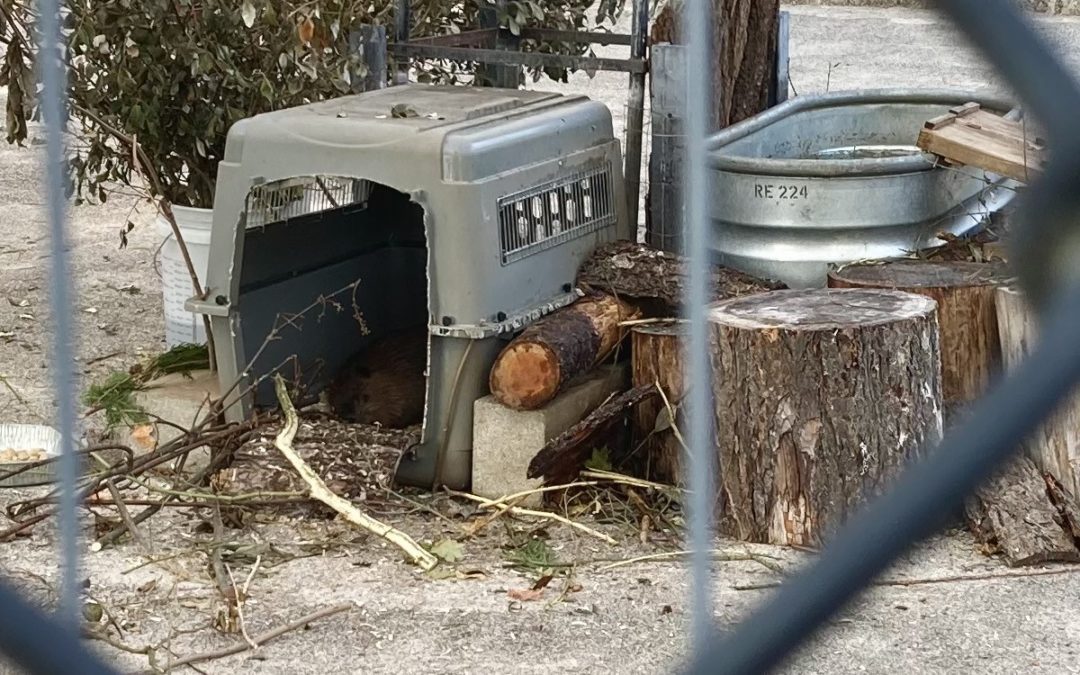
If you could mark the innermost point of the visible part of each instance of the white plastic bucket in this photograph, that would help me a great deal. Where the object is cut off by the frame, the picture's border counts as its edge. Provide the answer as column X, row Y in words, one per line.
column 182, row 326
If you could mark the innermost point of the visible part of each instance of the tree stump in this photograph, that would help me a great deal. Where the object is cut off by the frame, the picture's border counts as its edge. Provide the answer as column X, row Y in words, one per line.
column 1055, row 446
column 822, row 397
column 557, row 348
column 657, row 358
column 656, row 280
column 964, row 292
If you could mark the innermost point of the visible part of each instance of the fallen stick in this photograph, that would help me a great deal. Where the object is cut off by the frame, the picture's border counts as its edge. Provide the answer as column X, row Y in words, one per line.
column 260, row 639
column 718, row 555
column 564, row 456
column 505, row 499
column 546, row 515
column 319, row 491
column 936, row 580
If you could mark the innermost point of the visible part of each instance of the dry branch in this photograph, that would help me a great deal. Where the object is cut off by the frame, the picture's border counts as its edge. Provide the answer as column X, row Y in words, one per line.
column 562, row 458
column 319, row 491
column 262, row 638
column 546, row 515
column 936, row 580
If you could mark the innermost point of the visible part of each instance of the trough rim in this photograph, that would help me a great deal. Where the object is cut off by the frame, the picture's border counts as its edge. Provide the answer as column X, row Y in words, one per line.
column 840, row 168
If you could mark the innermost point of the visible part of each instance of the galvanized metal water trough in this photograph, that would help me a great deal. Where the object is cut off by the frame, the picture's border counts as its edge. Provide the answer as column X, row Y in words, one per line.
column 836, row 178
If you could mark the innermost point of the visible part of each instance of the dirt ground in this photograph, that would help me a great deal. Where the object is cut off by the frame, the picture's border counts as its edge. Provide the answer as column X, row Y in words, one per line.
column 629, row 618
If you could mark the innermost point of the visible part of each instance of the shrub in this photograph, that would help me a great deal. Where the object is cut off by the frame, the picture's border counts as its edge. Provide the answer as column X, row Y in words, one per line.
column 169, row 77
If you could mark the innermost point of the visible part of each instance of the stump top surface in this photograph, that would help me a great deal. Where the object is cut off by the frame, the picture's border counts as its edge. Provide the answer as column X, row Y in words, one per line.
column 821, row 309
column 923, row 274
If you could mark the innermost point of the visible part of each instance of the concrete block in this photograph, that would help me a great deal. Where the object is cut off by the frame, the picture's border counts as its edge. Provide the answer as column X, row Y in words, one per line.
column 181, row 400
column 505, row 440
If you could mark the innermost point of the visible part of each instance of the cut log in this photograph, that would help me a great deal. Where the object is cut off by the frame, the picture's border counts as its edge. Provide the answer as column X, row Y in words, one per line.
column 554, row 350
column 642, row 273
column 822, row 397
column 964, row 292
column 1013, row 515
column 562, row 459
column 1055, row 445
column 656, row 353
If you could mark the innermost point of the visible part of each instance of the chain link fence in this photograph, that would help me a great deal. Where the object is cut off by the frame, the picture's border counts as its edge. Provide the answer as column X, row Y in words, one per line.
column 1045, row 248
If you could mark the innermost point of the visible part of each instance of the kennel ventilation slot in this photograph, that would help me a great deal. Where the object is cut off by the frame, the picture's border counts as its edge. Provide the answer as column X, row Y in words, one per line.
column 536, row 219
column 301, row 196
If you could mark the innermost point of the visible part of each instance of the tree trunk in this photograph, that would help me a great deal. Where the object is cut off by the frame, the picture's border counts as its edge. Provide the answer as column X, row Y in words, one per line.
column 657, row 358
column 554, row 350
column 744, row 39
column 822, row 397
column 964, row 292
column 655, row 280
column 1055, row 445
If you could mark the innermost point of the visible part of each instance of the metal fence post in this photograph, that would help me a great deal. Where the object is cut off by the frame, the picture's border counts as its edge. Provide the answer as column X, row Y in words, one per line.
column 635, row 112
column 668, row 106
column 499, row 75
column 369, row 43
column 781, row 81
column 401, row 36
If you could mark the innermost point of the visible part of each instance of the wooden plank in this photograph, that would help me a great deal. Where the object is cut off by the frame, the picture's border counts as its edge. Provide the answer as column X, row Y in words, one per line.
column 970, row 136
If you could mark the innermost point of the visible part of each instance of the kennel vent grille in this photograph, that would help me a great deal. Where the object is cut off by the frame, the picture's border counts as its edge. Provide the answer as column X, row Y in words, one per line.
column 301, row 196
column 547, row 215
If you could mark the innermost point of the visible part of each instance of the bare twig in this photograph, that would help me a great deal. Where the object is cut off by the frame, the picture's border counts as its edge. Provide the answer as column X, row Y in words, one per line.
column 719, row 554
column 528, row 493
column 937, row 580
column 319, row 491
column 240, row 596
column 546, row 515
column 261, row 639
column 632, row 481
column 125, row 516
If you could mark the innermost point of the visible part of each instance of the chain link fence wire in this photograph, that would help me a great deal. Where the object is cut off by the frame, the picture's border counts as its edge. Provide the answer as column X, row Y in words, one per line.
column 1046, row 243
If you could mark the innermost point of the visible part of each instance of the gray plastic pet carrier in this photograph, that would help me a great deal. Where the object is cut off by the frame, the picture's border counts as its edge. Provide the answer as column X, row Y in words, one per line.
column 466, row 209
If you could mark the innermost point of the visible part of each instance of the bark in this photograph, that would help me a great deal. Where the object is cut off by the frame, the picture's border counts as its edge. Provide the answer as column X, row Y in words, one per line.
column 554, row 350
column 744, row 39
column 563, row 457
column 655, row 279
column 657, row 358
column 822, row 397
column 1013, row 515
column 964, row 292
column 1055, row 445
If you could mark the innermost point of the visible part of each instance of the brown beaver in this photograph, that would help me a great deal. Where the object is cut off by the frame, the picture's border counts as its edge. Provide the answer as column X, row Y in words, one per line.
column 384, row 383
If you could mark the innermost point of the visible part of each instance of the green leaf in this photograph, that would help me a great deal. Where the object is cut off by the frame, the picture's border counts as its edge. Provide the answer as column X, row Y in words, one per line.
column 448, row 550
column 600, row 460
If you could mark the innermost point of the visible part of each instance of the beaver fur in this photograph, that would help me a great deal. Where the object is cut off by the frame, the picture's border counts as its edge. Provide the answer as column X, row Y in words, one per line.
column 384, row 383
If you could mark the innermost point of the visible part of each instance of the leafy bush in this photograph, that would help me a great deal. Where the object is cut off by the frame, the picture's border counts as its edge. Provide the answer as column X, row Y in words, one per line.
column 163, row 80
